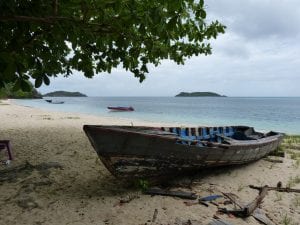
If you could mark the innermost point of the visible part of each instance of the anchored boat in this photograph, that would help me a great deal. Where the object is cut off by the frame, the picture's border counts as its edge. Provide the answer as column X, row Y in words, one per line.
column 120, row 108
column 54, row 102
column 153, row 152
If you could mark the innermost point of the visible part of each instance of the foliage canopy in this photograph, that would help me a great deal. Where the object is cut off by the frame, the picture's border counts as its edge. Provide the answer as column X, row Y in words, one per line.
column 9, row 92
column 42, row 38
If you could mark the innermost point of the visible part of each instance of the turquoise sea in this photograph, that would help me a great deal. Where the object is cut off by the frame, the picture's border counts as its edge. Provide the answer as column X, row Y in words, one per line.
column 264, row 113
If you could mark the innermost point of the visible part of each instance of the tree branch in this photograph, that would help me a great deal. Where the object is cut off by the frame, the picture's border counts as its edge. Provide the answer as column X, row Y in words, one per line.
column 55, row 3
column 48, row 19
column 35, row 35
column 52, row 19
column 280, row 189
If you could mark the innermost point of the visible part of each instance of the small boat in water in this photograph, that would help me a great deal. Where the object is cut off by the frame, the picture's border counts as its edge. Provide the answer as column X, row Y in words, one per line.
column 57, row 102
column 120, row 108
column 152, row 152
column 54, row 102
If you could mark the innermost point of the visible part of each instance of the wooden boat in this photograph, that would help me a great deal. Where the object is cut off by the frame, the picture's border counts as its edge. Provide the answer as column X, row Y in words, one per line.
column 57, row 102
column 54, row 102
column 120, row 108
column 151, row 152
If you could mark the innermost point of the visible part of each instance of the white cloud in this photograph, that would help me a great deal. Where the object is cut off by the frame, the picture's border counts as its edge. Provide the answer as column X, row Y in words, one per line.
column 258, row 56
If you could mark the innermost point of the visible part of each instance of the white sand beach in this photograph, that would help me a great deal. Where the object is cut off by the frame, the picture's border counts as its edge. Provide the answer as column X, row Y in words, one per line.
column 64, row 182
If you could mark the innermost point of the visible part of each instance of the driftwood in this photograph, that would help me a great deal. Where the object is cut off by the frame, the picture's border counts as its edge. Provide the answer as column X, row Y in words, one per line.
column 180, row 194
column 214, row 203
column 247, row 210
column 260, row 215
column 210, row 199
column 233, row 199
column 280, row 189
column 154, row 215
column 203, row 203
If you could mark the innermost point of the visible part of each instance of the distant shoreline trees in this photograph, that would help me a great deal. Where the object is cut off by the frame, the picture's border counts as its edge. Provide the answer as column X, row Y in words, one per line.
column 199, row 94
column 64, row 94
column 8, row 91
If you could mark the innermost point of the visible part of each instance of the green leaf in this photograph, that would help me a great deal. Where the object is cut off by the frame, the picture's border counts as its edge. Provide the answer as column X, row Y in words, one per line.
column 38, row 82
column 144, row 69
column 25, row 86
column 202, row 14
column 2, row 84
column 17, row 85
column 46, row 80
column 201, row 3
column 10, row 70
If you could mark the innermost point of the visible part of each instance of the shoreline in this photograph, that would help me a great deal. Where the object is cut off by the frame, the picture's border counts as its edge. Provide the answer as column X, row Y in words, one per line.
column 148, row 122
column 162, row 115
column 57, row 178
column 105, row 118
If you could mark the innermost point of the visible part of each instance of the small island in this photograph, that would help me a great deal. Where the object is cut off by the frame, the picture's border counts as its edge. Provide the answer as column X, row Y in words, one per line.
column 64, row 94
column 199, row 94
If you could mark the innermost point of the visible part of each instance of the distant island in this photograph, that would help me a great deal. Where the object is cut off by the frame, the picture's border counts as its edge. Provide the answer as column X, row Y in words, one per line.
column 64, row 94
column 199, row 94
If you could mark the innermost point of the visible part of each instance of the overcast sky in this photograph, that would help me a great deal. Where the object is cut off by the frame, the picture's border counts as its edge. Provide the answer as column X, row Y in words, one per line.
column 259, row 55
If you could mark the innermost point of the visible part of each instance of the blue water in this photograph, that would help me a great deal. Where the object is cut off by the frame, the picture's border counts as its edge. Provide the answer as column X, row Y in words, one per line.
column 279, row 114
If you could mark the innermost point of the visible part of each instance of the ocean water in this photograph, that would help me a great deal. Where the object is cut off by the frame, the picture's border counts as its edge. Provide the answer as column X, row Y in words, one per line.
column 278, row 114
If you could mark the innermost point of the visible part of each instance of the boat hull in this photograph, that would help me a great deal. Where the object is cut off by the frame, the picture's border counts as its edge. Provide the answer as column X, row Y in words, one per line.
column 121, row 109
column 131, row 154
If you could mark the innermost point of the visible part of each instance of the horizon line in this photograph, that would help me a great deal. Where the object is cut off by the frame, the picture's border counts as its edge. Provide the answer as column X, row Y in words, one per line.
column 187, row 97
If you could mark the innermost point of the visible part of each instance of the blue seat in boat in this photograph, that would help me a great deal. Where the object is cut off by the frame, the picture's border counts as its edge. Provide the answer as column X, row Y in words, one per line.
column 229, row 131
column 211, row 134
column 219, row 130
column 205, row 135
column 186, row 137
column 183, row 132
column 175, row 130
column 214, row 131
